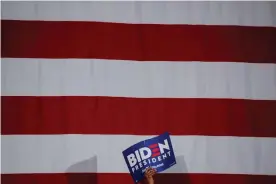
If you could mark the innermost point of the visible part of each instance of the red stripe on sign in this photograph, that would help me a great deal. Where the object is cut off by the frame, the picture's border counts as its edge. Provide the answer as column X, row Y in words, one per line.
column 106, row 178
column 153, row 146
column 108, row 115
column 144, row 42
column 155, row 150
column 155, row 154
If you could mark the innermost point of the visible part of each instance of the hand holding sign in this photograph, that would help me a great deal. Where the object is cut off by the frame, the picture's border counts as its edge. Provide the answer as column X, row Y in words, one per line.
column 149, row 175
column 156, row 153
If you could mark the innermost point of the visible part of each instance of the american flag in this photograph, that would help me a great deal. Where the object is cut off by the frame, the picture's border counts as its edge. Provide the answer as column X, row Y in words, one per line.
column 82, row 81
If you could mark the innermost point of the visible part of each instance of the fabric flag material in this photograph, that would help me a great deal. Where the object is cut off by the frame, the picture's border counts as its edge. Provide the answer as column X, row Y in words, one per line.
column 156, row 153
column 82, row 81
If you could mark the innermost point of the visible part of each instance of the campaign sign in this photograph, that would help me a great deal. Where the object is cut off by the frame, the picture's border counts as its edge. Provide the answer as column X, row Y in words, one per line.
column 156, row 153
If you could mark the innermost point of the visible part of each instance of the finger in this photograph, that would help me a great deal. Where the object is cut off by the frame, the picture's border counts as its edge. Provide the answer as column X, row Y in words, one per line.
column 151, row 172
column 148, row 169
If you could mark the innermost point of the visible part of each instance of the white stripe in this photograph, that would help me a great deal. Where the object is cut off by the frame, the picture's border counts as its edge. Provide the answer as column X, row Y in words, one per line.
column 210, row 13
column 103, row 154
column 92, row 77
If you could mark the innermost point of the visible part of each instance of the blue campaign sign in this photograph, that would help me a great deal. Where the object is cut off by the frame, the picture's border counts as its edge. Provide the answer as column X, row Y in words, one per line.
column 156, row 152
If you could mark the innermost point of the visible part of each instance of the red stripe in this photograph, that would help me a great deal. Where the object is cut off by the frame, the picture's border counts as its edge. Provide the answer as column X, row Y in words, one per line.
column 153, row 146
column 107, row 115
column 146, row 42
column 155, row 154
column 120, row 178
column 155, row 150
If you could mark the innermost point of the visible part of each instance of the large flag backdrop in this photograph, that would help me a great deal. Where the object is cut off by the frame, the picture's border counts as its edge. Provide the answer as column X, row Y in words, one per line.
column 82, row 81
